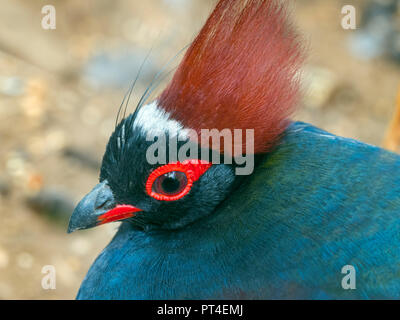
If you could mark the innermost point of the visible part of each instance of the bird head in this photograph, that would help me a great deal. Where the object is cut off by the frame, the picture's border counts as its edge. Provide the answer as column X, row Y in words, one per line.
column 239, row 74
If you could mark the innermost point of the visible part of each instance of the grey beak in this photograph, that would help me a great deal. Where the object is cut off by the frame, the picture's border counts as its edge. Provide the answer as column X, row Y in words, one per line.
column 98, row 202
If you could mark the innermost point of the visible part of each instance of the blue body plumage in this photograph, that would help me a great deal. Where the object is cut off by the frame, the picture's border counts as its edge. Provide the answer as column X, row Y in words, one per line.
column 316, row 203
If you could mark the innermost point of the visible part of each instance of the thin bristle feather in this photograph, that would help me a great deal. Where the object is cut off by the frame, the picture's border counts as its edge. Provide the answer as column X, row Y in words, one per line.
column 240, row 72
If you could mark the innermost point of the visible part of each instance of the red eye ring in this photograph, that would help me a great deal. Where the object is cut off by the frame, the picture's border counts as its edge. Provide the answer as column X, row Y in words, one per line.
column 193, row 169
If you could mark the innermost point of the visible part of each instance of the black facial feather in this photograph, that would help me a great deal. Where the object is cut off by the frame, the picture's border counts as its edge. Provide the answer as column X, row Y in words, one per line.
column 126, row 170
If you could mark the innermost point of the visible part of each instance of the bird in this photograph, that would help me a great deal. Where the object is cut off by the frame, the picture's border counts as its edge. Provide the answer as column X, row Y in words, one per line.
column 318, row 216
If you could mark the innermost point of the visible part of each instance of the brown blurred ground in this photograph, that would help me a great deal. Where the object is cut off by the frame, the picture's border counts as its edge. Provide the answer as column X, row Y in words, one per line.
column 50, row 106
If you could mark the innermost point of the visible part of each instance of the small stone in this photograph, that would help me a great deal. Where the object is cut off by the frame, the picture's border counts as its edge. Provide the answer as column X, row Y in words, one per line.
column 25, row 260
column 11, row 86
column 16, row 164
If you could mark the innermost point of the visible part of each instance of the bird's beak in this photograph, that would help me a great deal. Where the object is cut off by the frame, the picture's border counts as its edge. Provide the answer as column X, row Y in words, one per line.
column 99, row 207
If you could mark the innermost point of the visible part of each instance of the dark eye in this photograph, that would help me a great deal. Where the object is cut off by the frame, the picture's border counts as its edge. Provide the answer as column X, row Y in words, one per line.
column 173, row 181
column 170, row 184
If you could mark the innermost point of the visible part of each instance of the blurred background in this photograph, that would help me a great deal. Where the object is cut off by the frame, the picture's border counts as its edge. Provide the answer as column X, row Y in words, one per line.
column 60, row 91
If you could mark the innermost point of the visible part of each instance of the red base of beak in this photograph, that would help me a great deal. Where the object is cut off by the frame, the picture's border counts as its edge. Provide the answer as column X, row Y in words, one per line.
column 118, row 213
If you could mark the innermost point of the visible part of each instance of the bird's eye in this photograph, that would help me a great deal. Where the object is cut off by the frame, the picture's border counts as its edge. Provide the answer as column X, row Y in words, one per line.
column 174, row 180
column 171, row 183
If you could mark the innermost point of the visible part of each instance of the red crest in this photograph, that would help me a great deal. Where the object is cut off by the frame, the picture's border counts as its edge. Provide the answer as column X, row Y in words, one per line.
column 240, row 72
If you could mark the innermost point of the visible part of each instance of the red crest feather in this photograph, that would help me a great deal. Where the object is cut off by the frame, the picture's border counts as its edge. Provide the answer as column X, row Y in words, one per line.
column 240, row 72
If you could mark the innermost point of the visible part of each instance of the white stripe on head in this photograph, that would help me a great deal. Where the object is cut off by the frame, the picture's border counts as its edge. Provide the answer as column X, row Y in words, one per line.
column 153, row 119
